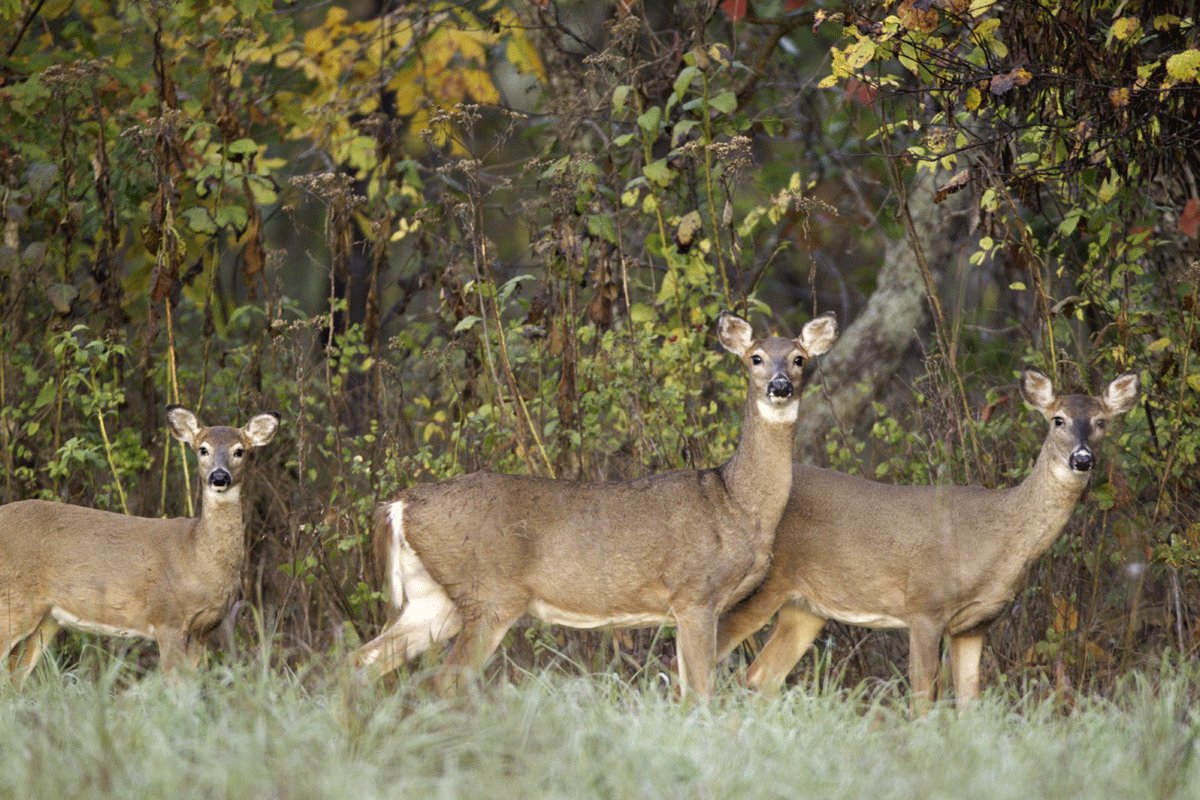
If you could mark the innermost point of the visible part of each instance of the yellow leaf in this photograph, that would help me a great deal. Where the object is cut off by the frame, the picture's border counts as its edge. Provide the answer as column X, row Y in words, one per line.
column 1126, row 28
column 522, row 55
column 287, row 58
column 1109, row 187
column 468, row 44
column 1185, row 66
column 859, row 54
column 410, row 91
column 838, row 64
column 1159, row 344
column 974, row 99
column 479, row 86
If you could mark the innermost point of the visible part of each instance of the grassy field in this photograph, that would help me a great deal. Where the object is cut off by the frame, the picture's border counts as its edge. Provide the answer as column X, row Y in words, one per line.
column 245, row 732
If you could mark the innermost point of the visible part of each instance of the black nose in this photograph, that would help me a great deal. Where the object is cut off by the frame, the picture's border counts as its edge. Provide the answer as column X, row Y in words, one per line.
column 220, row 478
column 779, row 387
column 1082, row 460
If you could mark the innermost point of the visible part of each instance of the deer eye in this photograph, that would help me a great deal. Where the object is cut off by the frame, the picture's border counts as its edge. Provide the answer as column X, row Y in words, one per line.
column 756, row 360
column 202, row 450
column 239, row 453
column 1059, row 422
column 1100, row 423
column 798, row 361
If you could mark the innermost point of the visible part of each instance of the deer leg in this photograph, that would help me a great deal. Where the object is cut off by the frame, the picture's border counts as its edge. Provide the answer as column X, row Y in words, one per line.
column 795, row 630
column 174, row 650
column 407, row 637
column 21, row 666
column 696, row 634
column 16, row 625
column 924, row 639
column 965, row 652
column 479, row 638
column 749, row 616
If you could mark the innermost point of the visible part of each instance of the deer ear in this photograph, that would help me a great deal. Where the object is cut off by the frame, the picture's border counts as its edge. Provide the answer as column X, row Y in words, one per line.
column 183, row 424
column 1037, row 390
column 1122, row 394
column 818, row 334
column 735, row 333
column 261, row 429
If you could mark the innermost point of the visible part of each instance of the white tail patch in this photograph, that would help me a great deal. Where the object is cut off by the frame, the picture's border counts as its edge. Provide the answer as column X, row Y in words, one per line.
column 427, row 614
column 396, row 518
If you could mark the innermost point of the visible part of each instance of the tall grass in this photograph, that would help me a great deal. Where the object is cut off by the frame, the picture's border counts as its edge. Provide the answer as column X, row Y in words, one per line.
column 248, row 732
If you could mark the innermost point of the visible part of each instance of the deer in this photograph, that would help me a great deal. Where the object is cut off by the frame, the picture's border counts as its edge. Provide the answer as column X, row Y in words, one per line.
column 470, row 556
column 937, row 560
column 98, row 572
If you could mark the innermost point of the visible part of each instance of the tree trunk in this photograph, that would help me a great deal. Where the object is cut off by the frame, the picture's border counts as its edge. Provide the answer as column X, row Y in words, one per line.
column 871, row 350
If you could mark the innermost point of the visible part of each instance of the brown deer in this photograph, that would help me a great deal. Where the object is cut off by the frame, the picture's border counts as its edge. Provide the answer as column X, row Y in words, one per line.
column 94, row 571
column 472, row 555
column 933, row 559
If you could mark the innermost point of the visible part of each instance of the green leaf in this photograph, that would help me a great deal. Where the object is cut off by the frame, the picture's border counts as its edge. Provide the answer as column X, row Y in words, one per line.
column 263, row 190
column 623, row 139
column 234, row 216
column 658, row 172
column 466, row 323
column 650, row 119
column 1070, row 222
column 725, row 102
column 681, row 129
column 46, row 395
column 638, row 313
column 684, row 79
column 1161, row 343
column 61, row 295
column 242, row 147
column 620, row 97
column 199, row 220
column 600, row 226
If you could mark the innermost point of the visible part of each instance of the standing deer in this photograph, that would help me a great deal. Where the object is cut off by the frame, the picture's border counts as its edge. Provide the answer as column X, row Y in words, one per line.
column 170, row 580
column 933, row 559
column 472, row 555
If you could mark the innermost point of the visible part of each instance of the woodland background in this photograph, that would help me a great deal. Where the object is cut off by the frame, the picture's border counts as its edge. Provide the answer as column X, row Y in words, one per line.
column 450, row 235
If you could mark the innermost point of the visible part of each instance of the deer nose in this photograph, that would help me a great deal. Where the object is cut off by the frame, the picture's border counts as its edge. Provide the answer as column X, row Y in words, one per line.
column 1082, row 460
column 779, row 386
column 219, row 478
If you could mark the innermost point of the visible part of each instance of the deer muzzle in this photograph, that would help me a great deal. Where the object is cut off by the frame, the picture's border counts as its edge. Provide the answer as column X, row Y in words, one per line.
column 1082, row 460
column 779, row 387
column 220, row 478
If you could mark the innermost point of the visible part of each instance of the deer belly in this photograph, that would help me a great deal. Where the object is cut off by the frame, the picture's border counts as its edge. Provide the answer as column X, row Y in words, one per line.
column 542, row 610
column 69, row 620
column 863, row 619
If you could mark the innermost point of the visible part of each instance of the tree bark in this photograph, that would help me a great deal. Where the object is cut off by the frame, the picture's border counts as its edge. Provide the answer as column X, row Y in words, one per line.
column 872, row 349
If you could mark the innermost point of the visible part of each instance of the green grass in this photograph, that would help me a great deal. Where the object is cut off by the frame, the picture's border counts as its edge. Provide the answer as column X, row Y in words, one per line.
column 245, row 732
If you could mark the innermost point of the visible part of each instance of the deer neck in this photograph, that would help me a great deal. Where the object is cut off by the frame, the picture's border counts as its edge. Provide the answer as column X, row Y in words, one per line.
column 1042, row 504
column 219, row 536
column 759, row 475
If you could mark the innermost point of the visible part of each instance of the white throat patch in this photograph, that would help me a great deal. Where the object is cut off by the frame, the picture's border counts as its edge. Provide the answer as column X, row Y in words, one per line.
column 784, row 414
column 231, row 495
column 1067, row 475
